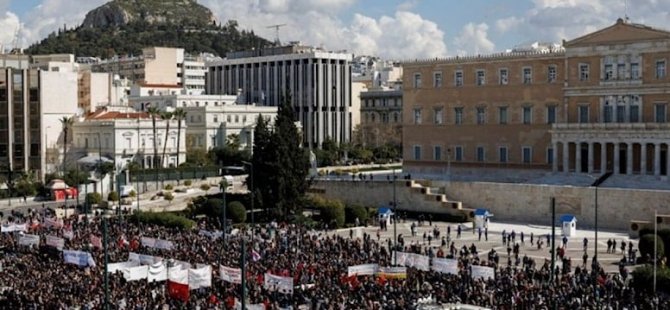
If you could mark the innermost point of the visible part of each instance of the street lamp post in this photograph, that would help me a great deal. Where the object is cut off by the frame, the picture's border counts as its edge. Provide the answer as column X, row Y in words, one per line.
column 395, row 219
column 448, row 165
column 253, row 223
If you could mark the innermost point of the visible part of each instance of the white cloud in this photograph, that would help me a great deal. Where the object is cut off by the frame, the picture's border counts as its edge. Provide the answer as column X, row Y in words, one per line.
column 403, row 35
column 10, row 23
column 53, row 14
column 407, row 5
column 473, row 39
column 555, row 20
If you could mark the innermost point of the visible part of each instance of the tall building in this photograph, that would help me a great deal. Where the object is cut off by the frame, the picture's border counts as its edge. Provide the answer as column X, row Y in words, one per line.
column 32, row 102
column 164, row 66
column 381, row 117
column 318, row 81
column 599, row 104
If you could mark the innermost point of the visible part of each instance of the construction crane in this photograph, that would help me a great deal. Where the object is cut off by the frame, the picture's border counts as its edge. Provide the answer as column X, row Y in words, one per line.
column 276, row 27
column 16, row 41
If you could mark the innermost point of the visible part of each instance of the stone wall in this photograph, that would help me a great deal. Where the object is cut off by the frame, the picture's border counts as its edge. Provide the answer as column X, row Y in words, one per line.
column 524, row 203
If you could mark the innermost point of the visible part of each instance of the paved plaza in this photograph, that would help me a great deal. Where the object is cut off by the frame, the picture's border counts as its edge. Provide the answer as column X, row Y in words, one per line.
column 575, row 247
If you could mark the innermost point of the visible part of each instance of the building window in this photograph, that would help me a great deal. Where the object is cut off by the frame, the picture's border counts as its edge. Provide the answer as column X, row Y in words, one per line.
column 396, row 117
column 437, row 79
column 373, row 117
column 437, row 152
column 634, row 113
column 481, row 115
column 417, row 152
column 417, row 116
column 607, row 113
column 584, row 114
column 480, row 154
column 527, row 75
column 621, row 114
column 439, row 116
column 417, row 80
column 458, row 116
column 502, row 115
column 526, row 154
column 458, row 153
column 503, row 76
column 621, row 71
column 527, row 115
column 458, row 78
column 609, row 72
column 481, row 78
column 216, row 119
column 227, row 118
column 502, row 154
column 551, row 74
column 550, row 156
column 551, row 114
column 634, row 71
column 583, row 72
column 660, row 113
column 660, row 69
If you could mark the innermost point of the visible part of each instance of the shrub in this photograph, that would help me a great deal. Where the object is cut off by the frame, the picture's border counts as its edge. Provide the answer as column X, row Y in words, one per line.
column 213, row 207
column 332, row 213
column 132, row 194
column 113, row 196
column 166, row 219
column 93, row 198
column 188, row 183
column 356, row 211
column 646, row 245
column 169, row 187
column 643, row 278
column 237, row 212
column 205, row 187
column 168, row 196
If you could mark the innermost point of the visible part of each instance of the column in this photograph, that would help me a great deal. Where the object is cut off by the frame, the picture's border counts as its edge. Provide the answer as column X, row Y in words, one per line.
column 603, row 157
column 566, row 156
column 616, row 158
column 657, row 159
column 643, row 158
column 578, row 157
column 590, row 161
column 554, row 156
column 629, row 158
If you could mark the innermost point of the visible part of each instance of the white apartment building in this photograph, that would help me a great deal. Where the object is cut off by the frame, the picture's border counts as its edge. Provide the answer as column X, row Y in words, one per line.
column 159, row 66
column 122, row 135
column 318, row 81
column 210, row 119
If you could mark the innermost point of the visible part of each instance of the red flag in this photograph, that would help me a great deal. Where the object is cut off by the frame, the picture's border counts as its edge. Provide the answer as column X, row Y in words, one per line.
column 178, row 285
column 96, row 241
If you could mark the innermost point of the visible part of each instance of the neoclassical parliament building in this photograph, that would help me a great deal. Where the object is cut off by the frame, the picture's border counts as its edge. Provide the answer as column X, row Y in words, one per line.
column 598, row 104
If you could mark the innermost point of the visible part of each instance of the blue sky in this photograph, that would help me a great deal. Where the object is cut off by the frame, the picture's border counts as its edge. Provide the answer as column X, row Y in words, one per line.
column 397, row 29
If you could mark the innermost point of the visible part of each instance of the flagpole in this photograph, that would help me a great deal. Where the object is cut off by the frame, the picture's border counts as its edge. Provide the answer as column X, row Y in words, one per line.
column 242, row 254
column 104, row 232
column 655, row 246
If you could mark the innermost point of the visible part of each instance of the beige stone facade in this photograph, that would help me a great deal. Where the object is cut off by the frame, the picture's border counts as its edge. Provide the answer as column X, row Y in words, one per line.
column 603, row 99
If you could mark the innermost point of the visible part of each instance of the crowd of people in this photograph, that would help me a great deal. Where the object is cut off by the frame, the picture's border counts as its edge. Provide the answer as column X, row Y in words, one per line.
column 38, row 278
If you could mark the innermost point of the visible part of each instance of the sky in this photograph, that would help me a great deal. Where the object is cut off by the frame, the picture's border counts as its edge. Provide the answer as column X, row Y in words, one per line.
column 392, row 29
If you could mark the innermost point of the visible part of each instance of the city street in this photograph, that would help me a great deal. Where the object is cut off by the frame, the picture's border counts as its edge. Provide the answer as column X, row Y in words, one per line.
column 574, row 245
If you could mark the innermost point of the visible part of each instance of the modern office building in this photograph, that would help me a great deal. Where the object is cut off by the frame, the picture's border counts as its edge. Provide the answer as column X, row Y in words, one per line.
column 598, row 104
column 163, row 66
column 318, row 81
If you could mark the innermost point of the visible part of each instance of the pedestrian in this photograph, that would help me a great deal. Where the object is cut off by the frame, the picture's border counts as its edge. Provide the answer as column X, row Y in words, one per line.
column 486, row 233
column 623, row 247
column 613, row 246
column 480, row 234
column 609, row 245
column 531, row 238
column 504, row 237
column 586, row 244
column 565, row 241
column 585, row 258
column 458, row 231
column 449, row 230
column 522, row 239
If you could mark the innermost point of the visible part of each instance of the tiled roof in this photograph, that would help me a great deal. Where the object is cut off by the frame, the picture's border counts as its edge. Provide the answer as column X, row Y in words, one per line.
column 110, row 115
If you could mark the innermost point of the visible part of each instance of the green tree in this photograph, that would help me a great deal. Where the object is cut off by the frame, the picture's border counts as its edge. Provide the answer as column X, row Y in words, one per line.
column 167, row 117
column 233, row 141
column 646, row 245
column 237, row 212
column 198, row 158
column 73, row 177
column 66, row 123
column 154, row 113
column 280, row 163
column 113, row 196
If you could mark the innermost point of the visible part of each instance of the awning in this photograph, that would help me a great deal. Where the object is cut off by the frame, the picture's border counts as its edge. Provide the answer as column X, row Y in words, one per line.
column 93, row 160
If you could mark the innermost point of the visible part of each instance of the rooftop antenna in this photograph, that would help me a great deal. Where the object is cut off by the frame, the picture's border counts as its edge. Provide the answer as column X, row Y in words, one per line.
column 276, row 27
column 625, row 11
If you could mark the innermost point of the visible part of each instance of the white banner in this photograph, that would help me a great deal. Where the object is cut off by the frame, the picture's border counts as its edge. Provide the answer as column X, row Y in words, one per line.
column 445, row 265
column 113, row 268
column 482, row 272
column 144, row 259
column 399, row 258
column 163, row 244
column 157, row 272
column 11, row 227
column 78, row 258
column 56, row 242
column 211, row 234
column 201, row 277
column 363, row 270
column 417, row 261
column 135, row 273
column 53, row 222
column 421, row 262
column 148, row 242
column 278, row 283
column 232, row 275
column 29, row 240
